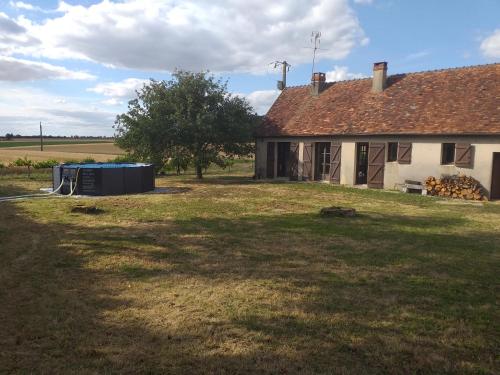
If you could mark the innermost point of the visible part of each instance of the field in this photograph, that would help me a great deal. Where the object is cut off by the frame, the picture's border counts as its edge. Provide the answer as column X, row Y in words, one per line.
column 234, row 276
column 23, row 142
column 99, row 151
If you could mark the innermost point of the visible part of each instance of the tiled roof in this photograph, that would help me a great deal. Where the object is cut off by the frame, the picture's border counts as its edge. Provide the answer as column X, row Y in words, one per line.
column 451, row 101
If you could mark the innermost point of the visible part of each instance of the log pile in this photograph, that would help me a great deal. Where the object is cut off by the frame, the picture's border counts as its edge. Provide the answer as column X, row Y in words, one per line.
column 460, row 187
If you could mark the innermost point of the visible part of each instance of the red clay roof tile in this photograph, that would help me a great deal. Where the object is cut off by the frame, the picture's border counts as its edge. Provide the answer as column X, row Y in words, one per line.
column 452, row 101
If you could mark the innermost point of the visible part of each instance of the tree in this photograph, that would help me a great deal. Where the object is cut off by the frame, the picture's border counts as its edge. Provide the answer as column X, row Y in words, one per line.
column 9, row 136
column 190, row 118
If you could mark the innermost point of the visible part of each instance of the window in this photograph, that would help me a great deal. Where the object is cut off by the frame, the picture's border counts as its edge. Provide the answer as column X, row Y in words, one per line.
column 392, row 151
column 448, row 153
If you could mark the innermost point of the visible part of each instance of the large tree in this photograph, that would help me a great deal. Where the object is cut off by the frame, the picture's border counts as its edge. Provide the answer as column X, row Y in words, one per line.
column 191, row 117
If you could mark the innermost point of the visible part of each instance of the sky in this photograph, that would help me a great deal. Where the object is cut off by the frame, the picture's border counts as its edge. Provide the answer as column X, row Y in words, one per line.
column 75, row 64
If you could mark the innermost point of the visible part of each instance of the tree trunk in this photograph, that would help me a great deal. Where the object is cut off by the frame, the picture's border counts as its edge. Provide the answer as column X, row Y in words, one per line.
column 199, row 172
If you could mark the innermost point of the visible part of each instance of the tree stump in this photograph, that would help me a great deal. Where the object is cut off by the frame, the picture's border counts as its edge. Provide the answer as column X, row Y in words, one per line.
column 337, row 212
column 89, row 210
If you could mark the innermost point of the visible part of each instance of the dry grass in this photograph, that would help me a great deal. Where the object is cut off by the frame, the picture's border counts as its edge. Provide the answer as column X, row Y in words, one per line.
column 230, row 276
column 97, row 151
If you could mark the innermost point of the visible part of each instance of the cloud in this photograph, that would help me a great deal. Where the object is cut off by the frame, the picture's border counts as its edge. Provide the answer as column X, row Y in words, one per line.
column 112, row 102
column 490, row 46
column 363, row 1
column 122, row 89
column 14, row 36
column 22, row 5
column 12, row 69
column 21, row 109
column 341, row 73
column 222, row 35
column 261, row 100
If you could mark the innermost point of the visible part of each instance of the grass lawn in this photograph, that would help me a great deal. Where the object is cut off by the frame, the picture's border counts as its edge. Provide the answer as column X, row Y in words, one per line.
column 233, row 276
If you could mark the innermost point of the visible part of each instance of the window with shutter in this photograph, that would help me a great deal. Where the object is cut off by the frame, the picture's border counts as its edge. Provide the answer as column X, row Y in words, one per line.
column 447, row 153
column 404, row 152
column 464, row 154
column 392, row 151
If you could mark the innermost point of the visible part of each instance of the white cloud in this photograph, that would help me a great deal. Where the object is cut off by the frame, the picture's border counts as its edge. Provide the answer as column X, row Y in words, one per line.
column 22, row 5
column 222, row 35
column 123, row 89
column 12, row 69
column 490, row 46
column 21, row 109
column 112, row 102
column 363, row 1
column 261, row 100
column 341, row 73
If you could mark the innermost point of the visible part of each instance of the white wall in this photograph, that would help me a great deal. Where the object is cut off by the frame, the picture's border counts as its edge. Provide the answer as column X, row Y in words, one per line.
column 425, row 158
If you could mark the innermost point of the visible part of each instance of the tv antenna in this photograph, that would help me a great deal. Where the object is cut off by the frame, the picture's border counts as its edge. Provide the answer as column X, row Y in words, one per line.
column 316, row 39
column 285, row 67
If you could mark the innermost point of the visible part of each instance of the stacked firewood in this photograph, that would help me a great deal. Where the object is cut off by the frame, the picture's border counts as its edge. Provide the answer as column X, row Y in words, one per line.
column 461, row 187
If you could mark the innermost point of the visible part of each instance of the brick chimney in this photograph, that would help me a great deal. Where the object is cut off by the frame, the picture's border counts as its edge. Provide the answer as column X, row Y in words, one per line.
column 379, row 82
column 318, row 83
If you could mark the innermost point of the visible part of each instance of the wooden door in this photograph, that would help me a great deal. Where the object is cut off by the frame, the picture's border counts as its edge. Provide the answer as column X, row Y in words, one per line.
column 495, row 177
column 376, row 163
column 307, row 162
column 293, row 161
column 335, row 151
column 270, row 160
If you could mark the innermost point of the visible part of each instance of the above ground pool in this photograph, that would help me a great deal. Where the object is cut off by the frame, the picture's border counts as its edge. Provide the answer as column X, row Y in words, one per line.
column 103, row 178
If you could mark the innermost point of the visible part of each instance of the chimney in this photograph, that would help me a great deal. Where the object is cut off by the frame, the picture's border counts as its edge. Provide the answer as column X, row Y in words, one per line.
column 318, row 83
column 379, row 76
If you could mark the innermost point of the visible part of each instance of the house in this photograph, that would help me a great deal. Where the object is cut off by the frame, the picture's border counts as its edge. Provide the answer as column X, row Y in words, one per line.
column 381, row 131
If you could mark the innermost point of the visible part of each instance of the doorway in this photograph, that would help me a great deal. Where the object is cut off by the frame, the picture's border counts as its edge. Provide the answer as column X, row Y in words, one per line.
column 283, row 158
column 322, row 161
column 362, row 163
column 495, row 177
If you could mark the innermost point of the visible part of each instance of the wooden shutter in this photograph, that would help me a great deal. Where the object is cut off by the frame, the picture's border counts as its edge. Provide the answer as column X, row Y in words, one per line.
column 335, row 153
column 293, row 161
column 270, row 160
column 463, row 155
column 404, row 152
column 307, row 164
column 376, row 163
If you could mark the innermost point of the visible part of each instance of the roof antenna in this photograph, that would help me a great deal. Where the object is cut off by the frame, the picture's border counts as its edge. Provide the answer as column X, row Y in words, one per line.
column 285, row 67
column 316, row 40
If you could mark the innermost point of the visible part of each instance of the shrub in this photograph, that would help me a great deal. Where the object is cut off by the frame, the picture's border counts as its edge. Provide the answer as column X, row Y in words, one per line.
column 22, row 162
column 88, row 160
column 2, row 165
column 45, row 164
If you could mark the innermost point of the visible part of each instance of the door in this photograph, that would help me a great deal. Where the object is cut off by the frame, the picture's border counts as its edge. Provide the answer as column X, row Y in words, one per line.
column 307, row 162
column 322, row 161
column 335, row 159
column 495, row 177
column 361, row 163
column 293, row 162
column 270, row 160
column 376, row 164
column 283, row 156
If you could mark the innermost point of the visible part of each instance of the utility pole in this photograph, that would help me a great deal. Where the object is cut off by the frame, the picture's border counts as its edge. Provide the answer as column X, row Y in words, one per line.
column 285, row 67
column 41, row 137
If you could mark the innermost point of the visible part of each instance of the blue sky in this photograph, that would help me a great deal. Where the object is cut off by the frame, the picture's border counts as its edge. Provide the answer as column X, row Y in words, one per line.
column 75, row 64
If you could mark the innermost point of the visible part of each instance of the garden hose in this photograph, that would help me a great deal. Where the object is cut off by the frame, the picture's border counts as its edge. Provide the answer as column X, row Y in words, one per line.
column 72, row 190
